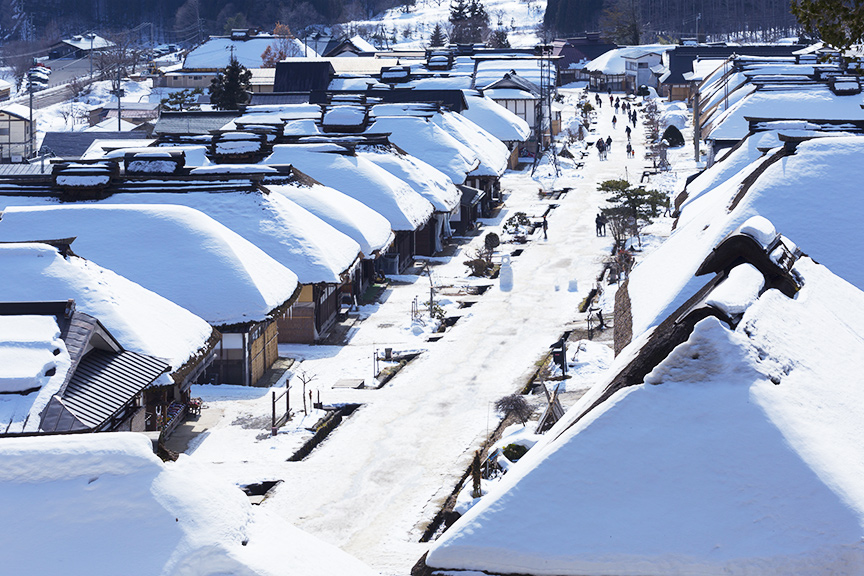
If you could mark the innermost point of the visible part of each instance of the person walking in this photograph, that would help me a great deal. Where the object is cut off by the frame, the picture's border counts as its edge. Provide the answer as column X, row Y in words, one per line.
column 614, row 121
column 545, row 227
column 629, row 150
column 627, row 131
column 608, row 143
column 598, row 224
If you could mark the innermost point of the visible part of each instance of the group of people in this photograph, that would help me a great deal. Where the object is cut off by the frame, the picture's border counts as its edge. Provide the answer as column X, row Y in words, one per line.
column 600, row 224
column 603, row 147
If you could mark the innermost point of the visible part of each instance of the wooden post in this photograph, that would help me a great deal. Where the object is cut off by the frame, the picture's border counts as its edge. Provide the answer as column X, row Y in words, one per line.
column 476, row 491
column 273, row 417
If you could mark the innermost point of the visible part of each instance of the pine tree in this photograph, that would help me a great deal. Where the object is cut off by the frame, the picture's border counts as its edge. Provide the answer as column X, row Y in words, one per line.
column 499, row 39
column 438, row 38
column 229, row 88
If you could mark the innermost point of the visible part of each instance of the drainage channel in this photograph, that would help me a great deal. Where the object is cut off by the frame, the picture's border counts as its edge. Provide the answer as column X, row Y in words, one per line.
column 327, row 425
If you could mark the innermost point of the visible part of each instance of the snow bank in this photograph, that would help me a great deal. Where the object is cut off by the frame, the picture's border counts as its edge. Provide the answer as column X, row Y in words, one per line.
column 116, row 504
column 175, row 251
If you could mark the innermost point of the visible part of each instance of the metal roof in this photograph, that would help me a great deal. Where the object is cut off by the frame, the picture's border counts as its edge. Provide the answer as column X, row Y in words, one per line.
column 104, row 382
column 74, row 144
column 193, row 122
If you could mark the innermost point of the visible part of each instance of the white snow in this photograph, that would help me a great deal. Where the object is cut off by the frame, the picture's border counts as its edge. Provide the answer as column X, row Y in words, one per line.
column 175, row 251
column 351, row 217
column 359, row 178
column 116, row 504
column 27, row 345
column 429, row 142
column 288, row 233
column 216, row 53
column 762, row 478
column 495, row 119
column 738, row 291
column 427, row 181
column 139, row 319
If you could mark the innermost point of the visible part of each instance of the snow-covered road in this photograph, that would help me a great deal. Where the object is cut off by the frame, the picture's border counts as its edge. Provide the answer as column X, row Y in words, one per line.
column 375, row 483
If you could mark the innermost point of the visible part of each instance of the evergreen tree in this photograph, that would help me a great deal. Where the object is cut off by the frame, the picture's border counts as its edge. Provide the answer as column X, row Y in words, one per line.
column 838, row 23
column 438, row 38
column 183, row 100
column 470, row 21
column 229, row 88
column 499, row 39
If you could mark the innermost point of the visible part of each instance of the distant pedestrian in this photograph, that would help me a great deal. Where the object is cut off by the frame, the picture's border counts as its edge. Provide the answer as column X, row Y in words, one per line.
column 629, row 150
column 617, row 106
column 598, row 224
column 603, row 221
column 545, row 227
column 668, row 207
column 609, row 143
column 627, row 131
column 614, row 121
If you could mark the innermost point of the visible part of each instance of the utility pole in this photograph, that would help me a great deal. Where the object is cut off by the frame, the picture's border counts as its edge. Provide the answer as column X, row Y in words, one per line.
column 119, row 93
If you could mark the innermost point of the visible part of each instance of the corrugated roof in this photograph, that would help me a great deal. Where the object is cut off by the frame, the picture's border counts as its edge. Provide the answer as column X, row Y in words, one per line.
column 75, row 144
column 104, row 382
column 185, row 123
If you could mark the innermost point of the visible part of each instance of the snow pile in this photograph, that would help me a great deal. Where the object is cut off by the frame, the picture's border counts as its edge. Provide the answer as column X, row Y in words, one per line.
column 27, row 352
column 116, row 504
column 345, row 116
column 675, row 114
column 359, row 178
column 739, row 454
column 175, row 251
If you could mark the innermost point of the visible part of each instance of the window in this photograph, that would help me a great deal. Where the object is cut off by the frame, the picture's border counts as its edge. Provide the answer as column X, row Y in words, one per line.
column 4, row 131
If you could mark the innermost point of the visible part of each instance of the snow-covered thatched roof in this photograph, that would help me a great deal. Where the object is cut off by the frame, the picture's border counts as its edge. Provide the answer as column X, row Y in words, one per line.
column 117, row 504
column 428, row 141
column 491, row 152
column 175, row 251
column 811, row 195
column 351, row 217
column 334, row 166
column 495, row 119
column 427, row 181
column 737, row 453
column 291, row 235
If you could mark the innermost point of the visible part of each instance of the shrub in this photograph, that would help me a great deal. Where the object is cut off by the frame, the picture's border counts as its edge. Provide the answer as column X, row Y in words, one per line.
column 514, row 452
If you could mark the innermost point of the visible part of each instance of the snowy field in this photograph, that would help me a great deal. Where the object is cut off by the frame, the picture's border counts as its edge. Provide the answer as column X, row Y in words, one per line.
column 411, row 30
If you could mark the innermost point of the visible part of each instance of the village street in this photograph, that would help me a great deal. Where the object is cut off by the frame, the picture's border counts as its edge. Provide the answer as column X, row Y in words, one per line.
column 383, row 474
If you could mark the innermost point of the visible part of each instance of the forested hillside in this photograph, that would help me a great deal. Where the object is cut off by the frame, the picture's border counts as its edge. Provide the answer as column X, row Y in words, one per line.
column 173, row 20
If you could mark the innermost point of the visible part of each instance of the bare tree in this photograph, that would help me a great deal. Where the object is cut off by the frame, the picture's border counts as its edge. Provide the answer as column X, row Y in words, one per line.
column 515, row 404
